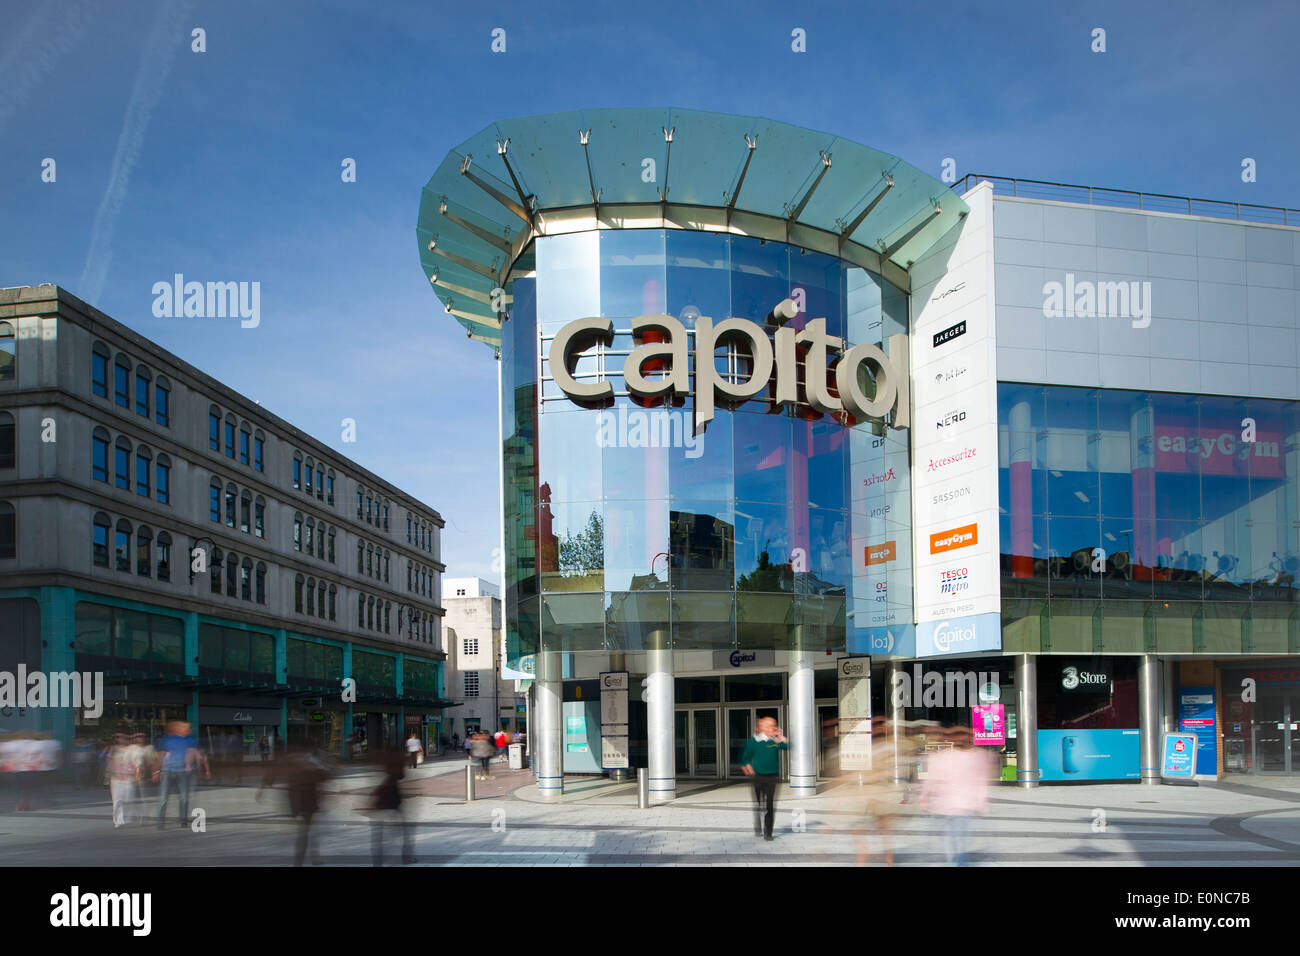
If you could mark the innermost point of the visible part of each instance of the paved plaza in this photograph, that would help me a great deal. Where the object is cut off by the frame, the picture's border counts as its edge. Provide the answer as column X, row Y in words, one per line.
column 597, row 822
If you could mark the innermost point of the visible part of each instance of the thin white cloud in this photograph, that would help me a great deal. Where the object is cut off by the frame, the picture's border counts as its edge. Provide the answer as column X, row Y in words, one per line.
column 34, row 51
column 166, row 38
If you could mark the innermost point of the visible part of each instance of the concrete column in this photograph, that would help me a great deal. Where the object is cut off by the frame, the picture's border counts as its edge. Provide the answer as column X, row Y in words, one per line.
column 1027, row 773
column 895, row 712
column 1149, row 718
column 660, row 707
column 58, row 632
column 803, row 720
column 550, row 725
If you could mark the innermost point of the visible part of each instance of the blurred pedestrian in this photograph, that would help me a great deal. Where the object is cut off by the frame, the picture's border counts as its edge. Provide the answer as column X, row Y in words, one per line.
column 181, row 760
column 302, row 775
column 413, row 750
column 956, row 788
column 761, row 762
column 482, row 749
column 123, row 776
column 387, row 808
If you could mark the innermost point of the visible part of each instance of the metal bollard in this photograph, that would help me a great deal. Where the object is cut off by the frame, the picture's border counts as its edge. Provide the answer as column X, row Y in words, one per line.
column 469, row 783
column 642, row 788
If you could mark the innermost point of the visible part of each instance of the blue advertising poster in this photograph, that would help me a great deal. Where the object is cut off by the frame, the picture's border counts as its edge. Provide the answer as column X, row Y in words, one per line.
column 1088, row 754
column 1196, row 716
column 1179, row 760
column 898, row 641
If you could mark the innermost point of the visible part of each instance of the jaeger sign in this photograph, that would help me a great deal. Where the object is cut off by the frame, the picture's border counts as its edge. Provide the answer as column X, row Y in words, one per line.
column 666, row 350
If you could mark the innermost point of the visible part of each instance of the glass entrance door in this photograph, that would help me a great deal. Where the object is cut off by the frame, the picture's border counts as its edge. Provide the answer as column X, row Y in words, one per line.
column 741, row 724
column 696, row 744
column 1270, row 733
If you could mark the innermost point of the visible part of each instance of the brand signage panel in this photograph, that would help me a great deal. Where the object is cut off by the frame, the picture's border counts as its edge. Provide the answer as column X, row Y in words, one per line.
column 614, row 687
column 854, row 675
column 738, row 659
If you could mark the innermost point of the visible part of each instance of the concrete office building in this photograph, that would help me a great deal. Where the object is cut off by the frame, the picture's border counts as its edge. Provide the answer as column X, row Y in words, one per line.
column 475, row 647
column 772, row 400
column 215, row 563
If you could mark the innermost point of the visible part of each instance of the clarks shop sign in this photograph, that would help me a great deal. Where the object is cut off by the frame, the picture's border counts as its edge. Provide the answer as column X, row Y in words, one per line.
column 660, row 366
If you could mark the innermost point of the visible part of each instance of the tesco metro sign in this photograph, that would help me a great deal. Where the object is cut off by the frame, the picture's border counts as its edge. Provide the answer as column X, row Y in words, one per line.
column 793, row 356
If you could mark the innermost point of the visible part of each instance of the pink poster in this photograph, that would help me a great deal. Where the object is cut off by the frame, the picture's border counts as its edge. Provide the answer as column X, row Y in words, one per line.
column 990, row 724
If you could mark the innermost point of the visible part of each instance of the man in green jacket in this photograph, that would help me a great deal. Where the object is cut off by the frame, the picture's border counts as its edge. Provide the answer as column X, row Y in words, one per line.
column 761, row 760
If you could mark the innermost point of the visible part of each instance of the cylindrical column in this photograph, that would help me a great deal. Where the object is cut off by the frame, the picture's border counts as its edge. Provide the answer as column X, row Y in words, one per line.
column 642, row 788
column 802, row 721
column 660, row 704
column 550, row 725
column 894, row 708
column 1027, row 773
column 1168, row 682
column 1149, row 718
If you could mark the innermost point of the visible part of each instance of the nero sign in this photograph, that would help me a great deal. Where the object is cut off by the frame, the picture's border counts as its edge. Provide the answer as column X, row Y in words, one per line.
column 660, row 365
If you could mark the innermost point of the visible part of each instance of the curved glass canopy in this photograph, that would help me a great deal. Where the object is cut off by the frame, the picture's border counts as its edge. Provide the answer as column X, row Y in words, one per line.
column 664, row 168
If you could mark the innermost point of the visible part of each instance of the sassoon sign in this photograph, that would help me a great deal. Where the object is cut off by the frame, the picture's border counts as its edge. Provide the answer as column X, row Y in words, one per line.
column 660, row 365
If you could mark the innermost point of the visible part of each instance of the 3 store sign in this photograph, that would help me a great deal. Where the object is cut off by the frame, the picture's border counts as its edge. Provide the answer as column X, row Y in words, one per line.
column 793, row 356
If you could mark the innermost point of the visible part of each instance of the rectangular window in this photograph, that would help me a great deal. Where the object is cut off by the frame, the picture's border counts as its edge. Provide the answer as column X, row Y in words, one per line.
column 162, row 406
column 122, row 385
column 230, row 507
column 408, row 529
column 164, row 561
column 123, row 477
column 245, row 506
column 320, row 486
column 122, row 544
column 331, row 546
column 99, row 375
column 141, row 395
column 163, row 491
column 230, row 439
column 297, row 534
column 360, row 502
column 471, row 684
column 258, row 447
column 142, row 475
column 214, row 502
column 243, row 447
column 214, row 431
column 471, row 647
column 309, row 476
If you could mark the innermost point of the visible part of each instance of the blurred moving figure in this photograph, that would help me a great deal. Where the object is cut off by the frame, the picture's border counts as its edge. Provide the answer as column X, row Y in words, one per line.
column 882, row 788
column 302, row 773
column 181, row 760
column 761, row 762
column 388, row 807
column 413, row 750
column 124, row 766
column 481, row 748
column 956, row 788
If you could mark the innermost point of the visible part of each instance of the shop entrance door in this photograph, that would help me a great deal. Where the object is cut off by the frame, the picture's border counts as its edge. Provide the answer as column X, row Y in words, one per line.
column 741, row 723
column 1270, row 734
column 696, row 742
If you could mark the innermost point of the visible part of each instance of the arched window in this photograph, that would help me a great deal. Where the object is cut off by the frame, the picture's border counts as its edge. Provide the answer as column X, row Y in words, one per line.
column 370, row 613
column 214, row 499
column 214, row 428
column 320, row 541
column 261, row 583
column 122, row 457
column 297, row 470
column 361, row 556
column 143, row 383
column 311, row 596
column 246, row 580
column 8, row 531
column 99, row 454
column 122, row 381
column 408, row 575
column 329, row 486
column 360, row 504
column 297, row 531
column 214, row 569
column 99, row 539
column 310, row 472
column 143, row 467
column 231, row 493
column 388, row 621
column 259, row 517
column 245, row 510
column 331, row 550
column 297, row 593
column 162, row 407
column 408, row 529
column 386, row 528
column 143, row 552
column 387, row 556
column 309, row 542
column 8, row 441
column 162, row 486
column 259, row 451
column 370, row 516
column 320, row 483
column 361, row 610
column 232, row 574
column 370, row 560
column 122, row 545
column 320, row 599
column 99, row 356
column 245, row 439
column 164, row 556
column 230, row 436
column 334, row 593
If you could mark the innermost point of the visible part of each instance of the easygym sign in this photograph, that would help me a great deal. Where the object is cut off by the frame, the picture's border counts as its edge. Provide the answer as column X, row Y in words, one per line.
column 666, row 351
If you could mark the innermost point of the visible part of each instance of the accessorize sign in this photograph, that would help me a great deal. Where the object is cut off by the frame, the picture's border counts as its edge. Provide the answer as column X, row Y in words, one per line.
column 660, row 365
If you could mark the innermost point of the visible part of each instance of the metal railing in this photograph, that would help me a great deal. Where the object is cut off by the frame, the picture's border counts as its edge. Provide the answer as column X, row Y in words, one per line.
column 1128, row 199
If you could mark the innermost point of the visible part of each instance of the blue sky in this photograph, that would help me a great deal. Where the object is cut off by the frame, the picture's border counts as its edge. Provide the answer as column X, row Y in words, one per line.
column 225, row 165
